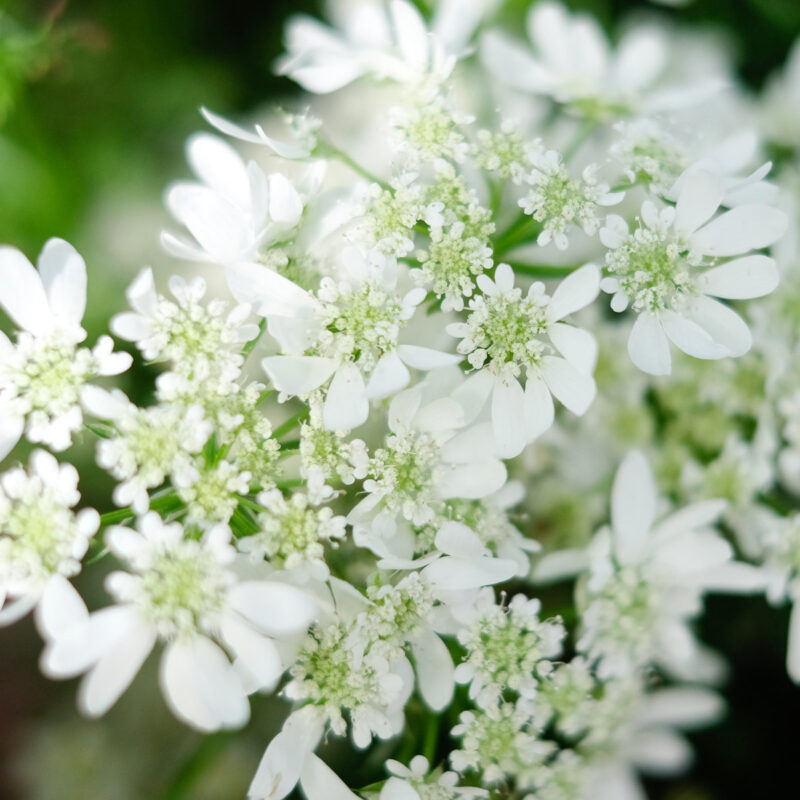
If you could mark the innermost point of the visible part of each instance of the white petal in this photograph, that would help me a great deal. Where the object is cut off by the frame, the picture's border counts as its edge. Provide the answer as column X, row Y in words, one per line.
column 681, row 707
column 285, row 756
column 700, row 196
column 298, row 374
column 793, row 649
column 512, row 63
column 220, row 167
column 11, row 427
column 696, row 515
column 633, row 508
column 573, row 389
column 740, row 279
column 411, row 34
column 130, row 326
column 320, row 782
column 560, row 565
column 472, row 481
column 22, row 294
column 336, row 73
column 508, row 418
column 396, row 789
column 346, row 405
column 434, row 668
column 452, row 573
column 115, row 670
column 473, row 393
column 539, row 409
column 285, row 205
column 60, row 609
column 690, row 337
column 660, row 752
column 277, row 609
column 746, row 227
column 283, row 149
column 257, row 659
column 456, row 539
column 577, row 345
column 648, row 346
column 390, row 375
column 575, row 292
column 63, row 274
column 476, row 443
column 268, row 292
column 426, row 357
column 723, row 324
column 201, row 687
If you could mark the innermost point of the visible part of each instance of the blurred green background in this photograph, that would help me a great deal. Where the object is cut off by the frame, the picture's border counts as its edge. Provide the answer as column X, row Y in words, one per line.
column 96, row 98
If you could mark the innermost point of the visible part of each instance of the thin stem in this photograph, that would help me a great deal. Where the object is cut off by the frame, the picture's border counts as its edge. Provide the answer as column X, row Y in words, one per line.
column 541, row 270
column 431, row 740
column 290, row 424
column 249, row 346
column 586, row 129
column 325, row 148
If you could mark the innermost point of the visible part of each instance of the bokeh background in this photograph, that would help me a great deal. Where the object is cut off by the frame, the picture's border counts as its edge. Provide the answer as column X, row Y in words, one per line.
column 96, row 98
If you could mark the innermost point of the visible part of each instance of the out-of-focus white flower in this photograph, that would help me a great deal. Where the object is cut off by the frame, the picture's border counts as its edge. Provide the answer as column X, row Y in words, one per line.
column 42, row 541
column 396, row 45
column 43, row 375
column 183, row 592
column 656, row 269
column 573, row 63
column 646, row 581
column 505, row 333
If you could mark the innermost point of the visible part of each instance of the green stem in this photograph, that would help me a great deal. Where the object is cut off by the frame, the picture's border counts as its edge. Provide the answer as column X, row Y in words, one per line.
column 431, row 740
column 290, row 424
column 289, row 483
column 165, row 502
column 325, row 148
column 185, row 779
column 249, row 346
column 541, row 270
column 586, row 129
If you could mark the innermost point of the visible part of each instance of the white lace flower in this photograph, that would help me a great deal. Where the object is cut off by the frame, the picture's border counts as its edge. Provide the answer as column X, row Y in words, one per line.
column 506, row 333
column 202, row 342
column 148, row 446
column 42, row 541
column 425, row 460
column 293, row 533
column 183, row 592
column 352, row 340
column 557, row 201
column 212, row 492
column 573, row 63
column 426, row 784
column 394, row 45
column 668, row 266
column 508, row 648
column 43, row 375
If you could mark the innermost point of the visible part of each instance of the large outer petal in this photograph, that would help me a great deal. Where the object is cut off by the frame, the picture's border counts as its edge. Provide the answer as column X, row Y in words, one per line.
column 277, row 609
column 346, row 404
column 740, row 279
column 746, row 227
column 633, row 508
column 63, row 274
column 434, row 667
column 298, row 374
column 22, row 293
column 648, row 346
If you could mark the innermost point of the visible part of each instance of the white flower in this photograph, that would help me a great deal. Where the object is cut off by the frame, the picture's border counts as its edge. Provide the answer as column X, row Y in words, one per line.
column 42, row 541
column 574, row 64
column 505, row 333
column 202, row 342
column 149, row 445
column 656, row 270
column 417, row 782
column 395, row 46
column 646, row 583
column 352, row 340
column 183, row 592
column 425, row 460
column 558, row 201
column 43, row 375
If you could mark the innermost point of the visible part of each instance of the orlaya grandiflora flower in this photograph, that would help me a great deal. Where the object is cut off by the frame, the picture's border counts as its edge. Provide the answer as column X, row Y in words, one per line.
column 650, row 740
column 669, row 269
column 428, row 457
column 645, row 581
column 396, row 45
column 183, row 592
column 42, row 541
column 234, row 212
column 43, row 375
column 506, row 332
column 573, row 63
column 347, row 334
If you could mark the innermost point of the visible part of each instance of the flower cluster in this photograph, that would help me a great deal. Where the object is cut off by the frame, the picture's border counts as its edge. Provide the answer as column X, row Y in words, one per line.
column 349, row 453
